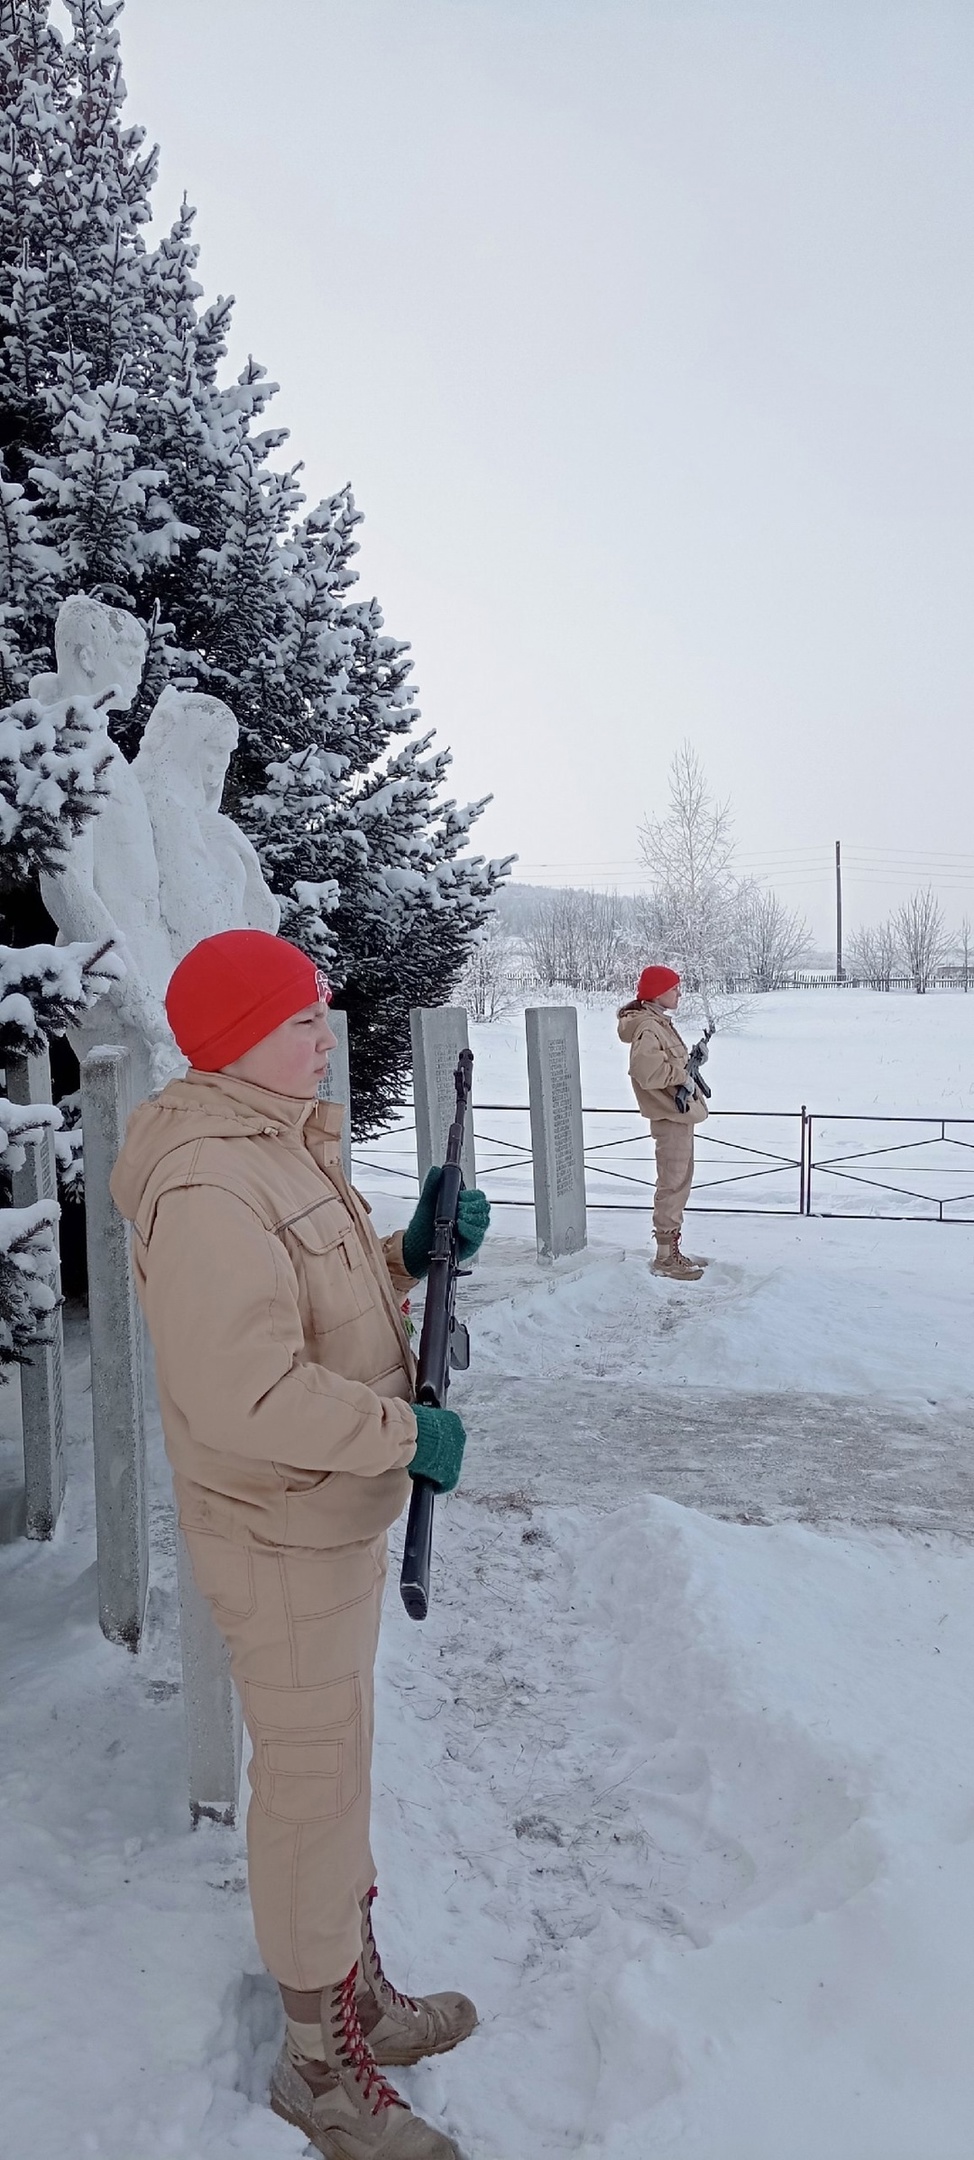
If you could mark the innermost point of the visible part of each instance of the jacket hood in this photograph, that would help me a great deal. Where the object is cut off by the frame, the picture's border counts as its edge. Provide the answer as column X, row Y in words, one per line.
column 630, row 1018
column 206, row 1106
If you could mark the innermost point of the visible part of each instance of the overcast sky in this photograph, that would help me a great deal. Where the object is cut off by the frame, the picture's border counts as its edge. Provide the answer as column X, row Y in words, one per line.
column 643, row 332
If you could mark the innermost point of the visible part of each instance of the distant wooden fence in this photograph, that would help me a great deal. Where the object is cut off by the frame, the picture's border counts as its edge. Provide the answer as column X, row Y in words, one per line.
column 947, row 978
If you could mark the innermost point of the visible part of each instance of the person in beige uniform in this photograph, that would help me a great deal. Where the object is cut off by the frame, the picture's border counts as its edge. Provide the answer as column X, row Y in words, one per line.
column 658, row 1071
column 285, row 1382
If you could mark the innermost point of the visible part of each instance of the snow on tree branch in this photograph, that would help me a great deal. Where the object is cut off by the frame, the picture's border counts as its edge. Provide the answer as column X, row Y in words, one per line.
column 45, row 988
column 54, row 776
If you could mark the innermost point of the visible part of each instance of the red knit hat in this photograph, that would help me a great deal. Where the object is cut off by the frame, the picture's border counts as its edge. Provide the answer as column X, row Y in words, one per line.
column 653, row 983
column 235, row 988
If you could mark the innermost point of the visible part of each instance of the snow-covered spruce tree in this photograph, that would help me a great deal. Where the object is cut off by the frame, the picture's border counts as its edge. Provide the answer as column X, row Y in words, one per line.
column 362, row 849
column 52, row 779
column 130, row 471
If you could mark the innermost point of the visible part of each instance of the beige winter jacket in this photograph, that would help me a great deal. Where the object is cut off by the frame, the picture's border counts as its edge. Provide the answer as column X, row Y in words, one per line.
column 283, row 1367
column 657, row 1063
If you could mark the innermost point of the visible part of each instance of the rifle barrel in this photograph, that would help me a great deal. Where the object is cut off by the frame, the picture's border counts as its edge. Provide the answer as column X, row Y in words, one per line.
column 433, row 1362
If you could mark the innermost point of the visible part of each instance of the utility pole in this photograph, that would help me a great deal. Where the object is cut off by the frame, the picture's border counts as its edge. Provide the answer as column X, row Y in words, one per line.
column 839, row 971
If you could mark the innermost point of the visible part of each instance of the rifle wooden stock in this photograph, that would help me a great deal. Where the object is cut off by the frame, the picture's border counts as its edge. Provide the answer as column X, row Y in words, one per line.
column 417, row 1552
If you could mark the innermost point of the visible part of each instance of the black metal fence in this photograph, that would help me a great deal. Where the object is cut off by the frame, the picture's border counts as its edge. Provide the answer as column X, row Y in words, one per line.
column 748, row 1162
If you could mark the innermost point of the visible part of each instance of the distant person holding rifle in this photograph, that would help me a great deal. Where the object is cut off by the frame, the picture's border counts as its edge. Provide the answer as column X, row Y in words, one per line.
column 287, row 1387
column 667, row 1085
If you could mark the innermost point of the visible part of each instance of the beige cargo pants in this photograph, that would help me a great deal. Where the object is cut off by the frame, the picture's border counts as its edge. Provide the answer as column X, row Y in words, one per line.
column 302, row 1629
column 674, row 1172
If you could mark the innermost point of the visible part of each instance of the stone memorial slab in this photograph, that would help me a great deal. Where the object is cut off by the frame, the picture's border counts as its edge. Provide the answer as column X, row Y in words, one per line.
column 117, row 1370
column 439, row 1033
column 557, row 1144
column 213, row 1719
column 13, row 1510
column 335, row 1086
column 42, row 1376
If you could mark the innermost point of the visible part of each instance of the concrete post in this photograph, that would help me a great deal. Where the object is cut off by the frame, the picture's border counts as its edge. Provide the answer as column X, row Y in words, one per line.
column 335, row 1085
column 557, row 1144
column 117, row 1375
column 213, row 1720
column 439, row 1033
column 42, row 1377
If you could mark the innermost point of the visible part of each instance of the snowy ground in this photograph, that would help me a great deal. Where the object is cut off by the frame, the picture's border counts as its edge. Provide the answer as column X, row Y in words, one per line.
column 687, row 1803
column 858, row 1060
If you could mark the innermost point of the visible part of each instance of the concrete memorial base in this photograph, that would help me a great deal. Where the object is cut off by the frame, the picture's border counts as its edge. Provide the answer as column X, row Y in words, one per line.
column 213, row 1721
column 42, row 1376
column 117, row 1374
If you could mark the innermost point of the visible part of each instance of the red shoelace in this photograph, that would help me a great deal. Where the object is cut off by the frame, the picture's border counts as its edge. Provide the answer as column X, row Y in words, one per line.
column 355, row 2049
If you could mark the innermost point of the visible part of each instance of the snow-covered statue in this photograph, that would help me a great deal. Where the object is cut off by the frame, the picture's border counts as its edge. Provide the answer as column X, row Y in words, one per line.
column 210, row 877
column 160, row 867
column 109, row 886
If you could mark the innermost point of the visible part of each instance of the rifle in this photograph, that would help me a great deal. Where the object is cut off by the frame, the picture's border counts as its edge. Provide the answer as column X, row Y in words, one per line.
column 443, row 1344
column 684, row 1095
column 698, row 1056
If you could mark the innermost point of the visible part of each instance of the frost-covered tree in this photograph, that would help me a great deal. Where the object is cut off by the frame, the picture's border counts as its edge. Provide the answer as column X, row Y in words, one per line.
column 132, row 471
column 486, row 988
column 874, row 954
column 52, row 780
column 923, row 938
column 772, row 939
column 690, row 917
column 584, row 939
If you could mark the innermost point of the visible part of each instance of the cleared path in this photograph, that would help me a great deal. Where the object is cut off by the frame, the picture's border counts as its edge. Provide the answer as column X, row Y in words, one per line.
column 823, row 1459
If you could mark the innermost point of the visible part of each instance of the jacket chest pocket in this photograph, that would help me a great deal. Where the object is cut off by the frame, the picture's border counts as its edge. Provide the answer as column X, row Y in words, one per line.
column 335, row 1281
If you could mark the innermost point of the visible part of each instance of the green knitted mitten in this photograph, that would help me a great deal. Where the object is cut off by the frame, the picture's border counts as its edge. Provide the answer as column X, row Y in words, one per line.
column 473, row 1216
column 440, row 1441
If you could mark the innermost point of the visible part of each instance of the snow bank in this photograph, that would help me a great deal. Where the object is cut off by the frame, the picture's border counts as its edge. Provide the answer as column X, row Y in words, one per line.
column 686, row 1806
column 841, row 1308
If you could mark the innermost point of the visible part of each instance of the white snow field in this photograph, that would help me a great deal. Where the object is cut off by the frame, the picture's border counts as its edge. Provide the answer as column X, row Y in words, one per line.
column 685, row 1801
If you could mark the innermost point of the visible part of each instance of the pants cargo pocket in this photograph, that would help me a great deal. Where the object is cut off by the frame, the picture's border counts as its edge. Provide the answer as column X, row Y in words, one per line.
column 307, row 1760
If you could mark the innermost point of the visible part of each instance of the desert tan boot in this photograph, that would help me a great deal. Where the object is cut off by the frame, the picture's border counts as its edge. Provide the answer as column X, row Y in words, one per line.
column 343, row 2104
column 670, row 1261
column 402, row 2029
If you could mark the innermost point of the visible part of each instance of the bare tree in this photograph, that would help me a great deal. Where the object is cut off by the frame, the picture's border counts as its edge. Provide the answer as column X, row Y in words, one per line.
column 690, row 913
column 607, row 941
column 552, row 940
column 582, row 939
column 923, row 938
column 486, row 988
column 772, row 940
column 964, row 941
column 874, row 954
